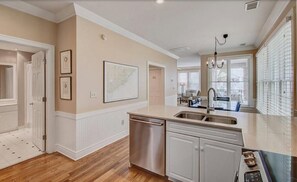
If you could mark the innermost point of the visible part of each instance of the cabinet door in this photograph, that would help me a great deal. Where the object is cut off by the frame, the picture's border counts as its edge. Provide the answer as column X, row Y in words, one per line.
column 182, row 157
column 218, row 161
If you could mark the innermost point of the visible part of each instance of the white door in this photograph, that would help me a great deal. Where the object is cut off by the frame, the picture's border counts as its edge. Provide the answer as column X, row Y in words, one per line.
column 29, row 99
column 38, row 93
column 156, row 87
column 182, row 157
column 218, row 161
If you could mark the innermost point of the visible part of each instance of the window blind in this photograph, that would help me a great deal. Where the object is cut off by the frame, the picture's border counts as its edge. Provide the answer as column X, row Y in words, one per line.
column 275, row 74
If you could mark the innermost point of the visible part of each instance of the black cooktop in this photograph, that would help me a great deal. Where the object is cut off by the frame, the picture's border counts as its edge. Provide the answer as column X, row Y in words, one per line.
column 282, row 168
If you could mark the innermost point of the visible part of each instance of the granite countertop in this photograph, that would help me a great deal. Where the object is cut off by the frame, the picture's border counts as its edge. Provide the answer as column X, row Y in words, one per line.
column 260, row 132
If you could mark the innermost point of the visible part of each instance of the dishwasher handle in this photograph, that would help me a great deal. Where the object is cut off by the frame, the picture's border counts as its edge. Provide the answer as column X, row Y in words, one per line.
column 145, row 122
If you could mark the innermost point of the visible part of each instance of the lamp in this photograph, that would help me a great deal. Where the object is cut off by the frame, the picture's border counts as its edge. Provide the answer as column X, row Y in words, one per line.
column 214, row 63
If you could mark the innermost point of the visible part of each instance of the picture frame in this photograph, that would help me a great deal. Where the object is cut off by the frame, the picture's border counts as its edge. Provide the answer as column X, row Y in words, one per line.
column 66, row 88
column 66, row 62
column 120, row 82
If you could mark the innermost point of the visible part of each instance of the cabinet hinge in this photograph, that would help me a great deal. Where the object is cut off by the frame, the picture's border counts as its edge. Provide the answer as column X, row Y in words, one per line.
column 44, row 137
column 44, row 99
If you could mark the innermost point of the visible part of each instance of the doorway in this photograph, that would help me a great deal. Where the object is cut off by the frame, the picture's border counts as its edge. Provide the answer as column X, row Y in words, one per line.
column 156, row 85
column 22, row 131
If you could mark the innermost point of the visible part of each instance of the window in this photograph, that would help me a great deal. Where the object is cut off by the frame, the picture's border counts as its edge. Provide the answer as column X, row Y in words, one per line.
column 234, row 79
column 275, row 74
column 188, row 80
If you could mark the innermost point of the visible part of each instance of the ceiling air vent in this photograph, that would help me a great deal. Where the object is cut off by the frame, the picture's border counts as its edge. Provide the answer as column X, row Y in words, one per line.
column 251, row 5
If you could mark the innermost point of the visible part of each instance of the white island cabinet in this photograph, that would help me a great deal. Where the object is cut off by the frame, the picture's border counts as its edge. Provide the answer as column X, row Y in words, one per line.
column 218, row 161
column 182, row 157
column 201, row 154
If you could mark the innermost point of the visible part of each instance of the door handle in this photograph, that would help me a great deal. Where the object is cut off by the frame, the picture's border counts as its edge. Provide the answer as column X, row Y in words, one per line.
column 145, row 122
column 31, row 104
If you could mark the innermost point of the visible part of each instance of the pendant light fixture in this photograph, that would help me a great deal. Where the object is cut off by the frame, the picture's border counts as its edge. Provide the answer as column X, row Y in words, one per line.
column 214, row 63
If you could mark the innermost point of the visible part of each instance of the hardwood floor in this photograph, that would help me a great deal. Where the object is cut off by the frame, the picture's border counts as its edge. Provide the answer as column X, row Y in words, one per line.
column 108, row 164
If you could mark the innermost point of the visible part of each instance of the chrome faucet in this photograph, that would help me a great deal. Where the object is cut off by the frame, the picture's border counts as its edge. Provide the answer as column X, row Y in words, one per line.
column 214, row 99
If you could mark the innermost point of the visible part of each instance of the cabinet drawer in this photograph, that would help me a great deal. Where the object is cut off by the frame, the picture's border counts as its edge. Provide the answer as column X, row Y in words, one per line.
column 223, row 135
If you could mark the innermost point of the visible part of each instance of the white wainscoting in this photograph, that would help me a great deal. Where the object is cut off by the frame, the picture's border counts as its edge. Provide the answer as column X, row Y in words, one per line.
column 81, row 134
column 171, row 100
column 8, row 118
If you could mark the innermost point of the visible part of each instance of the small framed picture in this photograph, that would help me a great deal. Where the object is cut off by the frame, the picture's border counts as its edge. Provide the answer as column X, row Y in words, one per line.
column 66, row 62
column 65, row 88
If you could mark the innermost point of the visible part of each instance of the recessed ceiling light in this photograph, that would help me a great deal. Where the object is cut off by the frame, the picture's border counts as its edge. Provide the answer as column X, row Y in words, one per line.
column 160, row 1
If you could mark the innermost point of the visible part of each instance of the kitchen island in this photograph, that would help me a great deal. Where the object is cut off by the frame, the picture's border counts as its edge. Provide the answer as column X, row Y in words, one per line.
column 203, row 147
column 260, row 132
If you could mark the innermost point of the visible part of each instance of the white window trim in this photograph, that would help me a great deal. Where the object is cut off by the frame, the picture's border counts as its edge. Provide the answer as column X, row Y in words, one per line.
column 188, row 70
column 251, row 75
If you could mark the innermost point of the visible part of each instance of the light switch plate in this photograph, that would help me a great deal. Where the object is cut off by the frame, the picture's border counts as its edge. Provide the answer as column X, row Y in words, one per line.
column 93, row 94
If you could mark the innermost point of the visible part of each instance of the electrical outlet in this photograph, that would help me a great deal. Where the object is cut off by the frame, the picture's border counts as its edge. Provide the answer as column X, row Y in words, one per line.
column 93, row 94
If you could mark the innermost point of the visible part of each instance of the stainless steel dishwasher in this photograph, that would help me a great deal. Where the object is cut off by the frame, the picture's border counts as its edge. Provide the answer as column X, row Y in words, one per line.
column 147, row 144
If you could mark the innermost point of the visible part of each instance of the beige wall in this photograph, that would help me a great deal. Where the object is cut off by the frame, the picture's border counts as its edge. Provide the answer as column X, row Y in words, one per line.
column 66, row 39
column 204, row 69
column 92, row 50
column 19, row 24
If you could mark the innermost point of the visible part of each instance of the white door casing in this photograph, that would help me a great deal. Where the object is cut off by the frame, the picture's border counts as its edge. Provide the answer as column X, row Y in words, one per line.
column 38, row 93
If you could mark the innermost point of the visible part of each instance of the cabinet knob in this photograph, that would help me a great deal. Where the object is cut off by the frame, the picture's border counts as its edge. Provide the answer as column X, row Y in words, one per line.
column 201, row 149
column 196, row 147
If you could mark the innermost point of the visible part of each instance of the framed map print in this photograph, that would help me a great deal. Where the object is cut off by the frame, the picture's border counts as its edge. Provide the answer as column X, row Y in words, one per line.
column 120, row 82
column 66, row 62
column 65, row 88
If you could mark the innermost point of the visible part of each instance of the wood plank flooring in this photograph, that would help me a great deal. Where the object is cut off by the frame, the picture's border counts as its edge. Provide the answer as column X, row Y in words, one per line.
column 109, row 164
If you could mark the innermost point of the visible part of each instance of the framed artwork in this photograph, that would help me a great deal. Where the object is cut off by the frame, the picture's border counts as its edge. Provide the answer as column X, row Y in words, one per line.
column 120, row 82
column 65, row 88
column 66, row 62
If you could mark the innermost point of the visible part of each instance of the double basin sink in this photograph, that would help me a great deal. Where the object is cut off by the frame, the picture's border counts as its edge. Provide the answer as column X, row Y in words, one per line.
column 206, row 117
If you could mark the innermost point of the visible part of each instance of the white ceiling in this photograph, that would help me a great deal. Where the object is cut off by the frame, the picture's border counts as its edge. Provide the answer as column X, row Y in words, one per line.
column 180, row 23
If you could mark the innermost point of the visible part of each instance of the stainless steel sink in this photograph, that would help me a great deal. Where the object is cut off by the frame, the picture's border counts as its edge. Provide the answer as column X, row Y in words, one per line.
column 206, row 117
column 220, row 119
column 190, row 115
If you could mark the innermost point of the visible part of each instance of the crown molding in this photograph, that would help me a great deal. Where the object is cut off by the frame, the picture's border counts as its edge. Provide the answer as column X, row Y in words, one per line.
column 65, row 13
column 30, row 9
column 277, row 10
column 236, row 49
column 75, row 9
column 85, row 13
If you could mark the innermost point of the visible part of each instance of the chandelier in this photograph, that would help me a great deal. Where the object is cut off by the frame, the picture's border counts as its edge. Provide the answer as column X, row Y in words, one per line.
column 214, row 63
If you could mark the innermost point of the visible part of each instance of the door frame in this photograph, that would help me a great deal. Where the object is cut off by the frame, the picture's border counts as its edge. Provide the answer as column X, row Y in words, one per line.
column 49, row 85
column 163, row 67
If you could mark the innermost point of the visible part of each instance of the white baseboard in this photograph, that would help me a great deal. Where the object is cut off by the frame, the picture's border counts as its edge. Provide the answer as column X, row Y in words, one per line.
column 84, row 152
column 66, row 151
column 79, row 135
